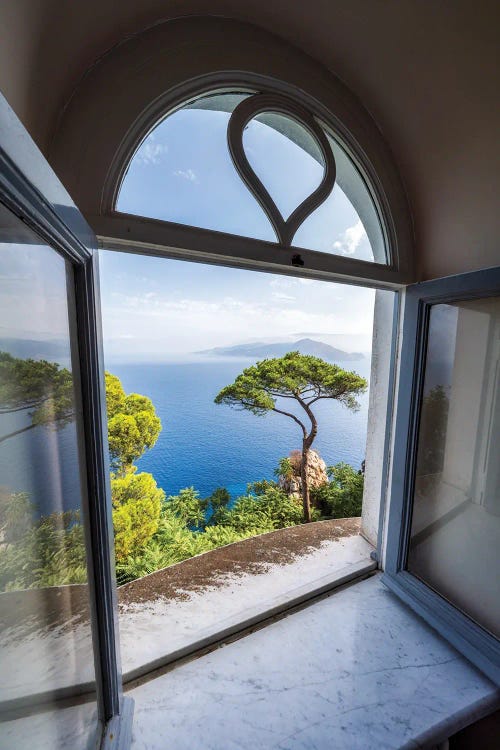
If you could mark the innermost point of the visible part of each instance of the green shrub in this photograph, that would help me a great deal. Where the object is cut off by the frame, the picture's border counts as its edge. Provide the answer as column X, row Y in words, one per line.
column 49, row 553
column 137, row 502
column 16, row 512
column 189, row 507
column 272, row 509
column 342, row 497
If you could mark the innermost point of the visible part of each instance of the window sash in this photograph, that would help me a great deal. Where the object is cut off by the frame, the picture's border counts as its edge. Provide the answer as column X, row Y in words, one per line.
column 36, row 195
column 479, row 646
column 128, row 233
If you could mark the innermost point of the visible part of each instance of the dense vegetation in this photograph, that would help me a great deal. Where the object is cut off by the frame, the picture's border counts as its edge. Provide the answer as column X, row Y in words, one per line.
column 48, row 552
column 45, row 388
column 152, row 531
column 183, row 530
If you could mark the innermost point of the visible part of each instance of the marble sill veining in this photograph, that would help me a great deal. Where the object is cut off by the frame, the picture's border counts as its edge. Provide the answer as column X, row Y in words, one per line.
column 355, row 671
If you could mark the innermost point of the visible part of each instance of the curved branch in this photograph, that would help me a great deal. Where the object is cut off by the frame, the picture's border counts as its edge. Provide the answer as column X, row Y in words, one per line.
column 17, row 432
column 329, row 395
column 32, row 426
column 28, row 405
column 295, row 419
column 314, row 424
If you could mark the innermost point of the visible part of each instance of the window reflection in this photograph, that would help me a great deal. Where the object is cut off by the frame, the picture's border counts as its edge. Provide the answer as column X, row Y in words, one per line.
column 45, row 632
column 455, row 533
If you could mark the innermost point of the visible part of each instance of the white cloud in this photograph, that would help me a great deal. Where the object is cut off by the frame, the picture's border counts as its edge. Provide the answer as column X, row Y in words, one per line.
column 351, row 239
column 150, row 152
column 280, row 282
column 283, row 282
column 186, row 174
column 167, row 324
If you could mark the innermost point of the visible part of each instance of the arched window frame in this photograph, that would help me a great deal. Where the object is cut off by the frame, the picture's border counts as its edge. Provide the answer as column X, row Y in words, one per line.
column 121, row 231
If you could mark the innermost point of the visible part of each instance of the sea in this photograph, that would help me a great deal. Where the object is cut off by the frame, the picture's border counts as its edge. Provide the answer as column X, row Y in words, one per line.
column 201, row 445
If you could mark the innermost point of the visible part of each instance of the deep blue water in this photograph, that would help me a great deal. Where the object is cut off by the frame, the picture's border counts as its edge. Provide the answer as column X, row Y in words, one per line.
column 201, row 444
column 208, row 446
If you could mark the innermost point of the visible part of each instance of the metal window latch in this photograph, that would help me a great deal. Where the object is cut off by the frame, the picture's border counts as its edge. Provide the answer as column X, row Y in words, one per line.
column 297, row 260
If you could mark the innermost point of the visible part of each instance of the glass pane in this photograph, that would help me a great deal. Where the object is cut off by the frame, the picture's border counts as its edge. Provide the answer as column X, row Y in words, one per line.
column 285, row 157
column 45, row 630
column 183, row 172
column 210, row 472
column 455, row 532
column 347, row 223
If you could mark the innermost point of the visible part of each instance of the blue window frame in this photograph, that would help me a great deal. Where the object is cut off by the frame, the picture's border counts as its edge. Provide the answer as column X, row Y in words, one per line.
column 444, row 522
column 32, row 196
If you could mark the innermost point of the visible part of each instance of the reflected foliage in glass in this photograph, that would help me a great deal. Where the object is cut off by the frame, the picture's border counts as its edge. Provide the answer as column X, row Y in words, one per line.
column 45, row 632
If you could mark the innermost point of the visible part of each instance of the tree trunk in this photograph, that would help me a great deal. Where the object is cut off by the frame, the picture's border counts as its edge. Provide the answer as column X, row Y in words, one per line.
column 305, row 485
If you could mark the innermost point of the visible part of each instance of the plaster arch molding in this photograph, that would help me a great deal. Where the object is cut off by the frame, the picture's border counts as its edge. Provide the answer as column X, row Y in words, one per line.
column 130, row 88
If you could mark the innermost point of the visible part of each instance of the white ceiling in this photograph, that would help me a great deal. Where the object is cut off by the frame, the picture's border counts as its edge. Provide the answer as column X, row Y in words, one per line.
column 428, row 71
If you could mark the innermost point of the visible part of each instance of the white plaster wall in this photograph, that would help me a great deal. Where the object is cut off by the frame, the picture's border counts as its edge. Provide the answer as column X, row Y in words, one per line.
column 377, row 414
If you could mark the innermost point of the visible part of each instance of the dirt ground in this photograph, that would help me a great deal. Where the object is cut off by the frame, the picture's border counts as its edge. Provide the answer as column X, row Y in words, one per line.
column 249, row 556
column 64, row 606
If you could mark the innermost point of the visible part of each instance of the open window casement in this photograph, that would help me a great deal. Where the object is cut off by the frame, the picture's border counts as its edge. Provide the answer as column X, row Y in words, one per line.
column 61, row 678
column 443, row 541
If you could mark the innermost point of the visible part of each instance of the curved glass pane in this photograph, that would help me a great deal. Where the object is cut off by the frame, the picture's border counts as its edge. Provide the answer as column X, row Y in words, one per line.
column 347, row 223
column 183, row 173
column 285, row 158
column 45, row 621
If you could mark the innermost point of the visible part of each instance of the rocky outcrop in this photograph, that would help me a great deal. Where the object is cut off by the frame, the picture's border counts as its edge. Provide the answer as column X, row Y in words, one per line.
column 316, row 473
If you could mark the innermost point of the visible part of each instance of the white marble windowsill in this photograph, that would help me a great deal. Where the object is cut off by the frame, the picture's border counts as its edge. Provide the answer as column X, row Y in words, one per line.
column 162, row 631
column 355, row 671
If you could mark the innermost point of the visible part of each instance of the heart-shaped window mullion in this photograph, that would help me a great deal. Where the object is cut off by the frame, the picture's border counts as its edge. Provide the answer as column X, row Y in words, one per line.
column 284, row 158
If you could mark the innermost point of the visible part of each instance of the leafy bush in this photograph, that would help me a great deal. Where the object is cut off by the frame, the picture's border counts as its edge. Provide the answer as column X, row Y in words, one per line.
column 16, row 511
column 285, row 468
column 272, row 509
column 49, row 553
column 174, row 542
column 137, row 502
column 261, row 486
column 133, row 425
column 189, row 507
column 342, row 497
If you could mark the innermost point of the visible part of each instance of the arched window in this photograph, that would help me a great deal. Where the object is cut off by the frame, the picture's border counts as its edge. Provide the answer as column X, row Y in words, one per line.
column 217, row 152
column 258, row 165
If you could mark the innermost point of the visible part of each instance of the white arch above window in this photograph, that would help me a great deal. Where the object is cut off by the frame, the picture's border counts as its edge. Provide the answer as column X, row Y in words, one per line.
column 183, row 172
column 116, row 115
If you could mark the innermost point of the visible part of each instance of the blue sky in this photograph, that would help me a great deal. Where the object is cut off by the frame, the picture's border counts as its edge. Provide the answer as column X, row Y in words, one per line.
column 160, row 309
column 33, row 302
column 183, row 173
column 156, row 309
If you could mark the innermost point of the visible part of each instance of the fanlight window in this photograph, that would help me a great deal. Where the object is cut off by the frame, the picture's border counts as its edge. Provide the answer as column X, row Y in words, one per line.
column 256, row 165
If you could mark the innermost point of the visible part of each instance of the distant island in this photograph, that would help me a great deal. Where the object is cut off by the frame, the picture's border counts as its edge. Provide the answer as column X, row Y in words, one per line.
column 278, row 349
